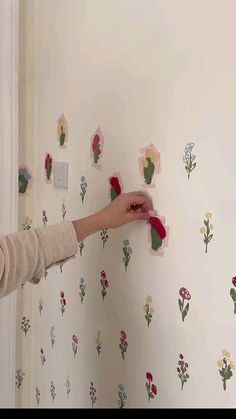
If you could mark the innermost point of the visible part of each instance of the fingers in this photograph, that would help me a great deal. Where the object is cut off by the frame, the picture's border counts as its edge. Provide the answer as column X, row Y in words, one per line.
column 136, row 216
column 142, row 202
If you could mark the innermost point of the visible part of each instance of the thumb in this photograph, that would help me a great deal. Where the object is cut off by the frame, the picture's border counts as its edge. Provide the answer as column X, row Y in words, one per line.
column 137, row 216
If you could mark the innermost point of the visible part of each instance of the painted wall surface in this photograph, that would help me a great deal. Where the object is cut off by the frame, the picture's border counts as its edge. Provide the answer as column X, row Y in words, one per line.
column 158, row 72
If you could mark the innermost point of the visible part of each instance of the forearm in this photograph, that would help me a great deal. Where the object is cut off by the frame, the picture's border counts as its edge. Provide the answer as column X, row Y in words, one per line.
column 87, row 226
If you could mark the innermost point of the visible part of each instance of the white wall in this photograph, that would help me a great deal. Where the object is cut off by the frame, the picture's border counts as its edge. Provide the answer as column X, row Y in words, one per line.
column 160, row 71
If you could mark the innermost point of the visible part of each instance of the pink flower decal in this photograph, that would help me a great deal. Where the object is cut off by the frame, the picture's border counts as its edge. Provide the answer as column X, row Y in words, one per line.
column 233, row 293
column 185, row 295
column 150, row 387
column 25, row 325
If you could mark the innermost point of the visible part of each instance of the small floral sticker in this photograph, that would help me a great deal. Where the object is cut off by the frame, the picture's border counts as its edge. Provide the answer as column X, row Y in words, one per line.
column 44, row 218
column 127, row 251
column 149, row 165
column 185, row 295
column 82, row 289
column 62, row 131
column 122, row 396
column 81, row 247
column 63, row 302
column 148, row 310
column 63, row 209
column 206, row 230
column 42, row 357
column 68, row 385
column 52, row 391
column 40, row 305
column 19, row 377
column 37, row 395
column 150, row 387
column 225, row 367
column 182, row 370
column 83, row 187
column 61, row 268
column 92, row 393
column 104, row 237
column 123, row 343
column 25, row 179
column 115, row 185
column 25, row 325
column 158, row 231
column 104, row 284
column 233, row 293
column 97, row 141
column 75, row 342
column 189, row 158
column 98, row 342
column 52, row 335
column 48, row 167
column 27, row 224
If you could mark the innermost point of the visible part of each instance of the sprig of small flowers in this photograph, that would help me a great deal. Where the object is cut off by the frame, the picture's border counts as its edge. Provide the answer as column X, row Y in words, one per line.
column 52, row 391
column 42, row 357
column 25, row 325
column 82, row 288
column 27, row 224
column 189, row 158
column 40, row 305
column 92, row 392
column 127, row 251
column 98, row 341
column 122, row 396
column 19, row 377
column 182, row 370
column 83, row 187
column 63, row 209
column 104, row 237
column 81, row 247
column 68, row 385
column 37, row 395
column 52, row 335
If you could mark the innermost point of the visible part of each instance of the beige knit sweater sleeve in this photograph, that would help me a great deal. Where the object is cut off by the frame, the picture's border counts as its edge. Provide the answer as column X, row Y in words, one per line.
column 24, row 256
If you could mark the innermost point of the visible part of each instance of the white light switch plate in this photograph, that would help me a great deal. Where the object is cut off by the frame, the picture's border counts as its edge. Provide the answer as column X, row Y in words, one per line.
column 61, row 175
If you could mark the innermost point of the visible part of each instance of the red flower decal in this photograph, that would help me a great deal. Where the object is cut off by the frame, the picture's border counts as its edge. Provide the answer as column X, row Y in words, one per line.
column 157, row 224
column 149, row 376
column 114, row 182
column 62, row 294
column 234, row 281
column 154, row 389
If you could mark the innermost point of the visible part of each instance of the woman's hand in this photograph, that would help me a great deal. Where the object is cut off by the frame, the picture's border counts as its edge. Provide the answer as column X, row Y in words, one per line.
column 133, row 206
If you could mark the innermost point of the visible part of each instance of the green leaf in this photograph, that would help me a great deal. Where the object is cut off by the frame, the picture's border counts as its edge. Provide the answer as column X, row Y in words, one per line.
column 210, row 237
column 147, row 386
column 185, row 312
column 113, row 194
column 62, row 138
column 221, row 373
column 228, row 374
column 156, row 240
column 233, row 294
column 180, row 304
column 149, row 172
column 23, row 184
column 193, row 167
column 152, row 396
column 206, row 223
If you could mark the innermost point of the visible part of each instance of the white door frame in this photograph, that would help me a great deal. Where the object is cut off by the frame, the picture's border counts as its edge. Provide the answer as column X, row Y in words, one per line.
column 9, row 18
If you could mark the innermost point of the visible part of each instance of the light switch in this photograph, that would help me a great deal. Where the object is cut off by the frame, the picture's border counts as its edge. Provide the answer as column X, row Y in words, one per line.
column 61, row 175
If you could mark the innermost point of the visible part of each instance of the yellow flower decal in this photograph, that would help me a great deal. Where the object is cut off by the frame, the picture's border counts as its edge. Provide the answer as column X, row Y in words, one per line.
column 148, row 310
column 225, row 368
column 206, row 230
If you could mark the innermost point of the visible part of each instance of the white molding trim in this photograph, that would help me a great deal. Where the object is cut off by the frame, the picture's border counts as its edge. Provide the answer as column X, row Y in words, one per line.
column 9, row 21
